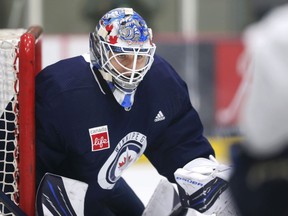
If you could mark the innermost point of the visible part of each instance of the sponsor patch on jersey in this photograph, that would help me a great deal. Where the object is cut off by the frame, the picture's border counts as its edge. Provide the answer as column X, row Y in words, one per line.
column 127, row 151
column 99, row 138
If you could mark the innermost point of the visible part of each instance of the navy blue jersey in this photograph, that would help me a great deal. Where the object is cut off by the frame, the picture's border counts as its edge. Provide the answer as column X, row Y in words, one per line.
column 84, row 134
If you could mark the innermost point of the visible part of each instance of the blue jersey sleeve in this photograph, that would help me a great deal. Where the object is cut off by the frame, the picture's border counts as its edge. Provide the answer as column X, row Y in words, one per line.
column 182, row 140
column 50, row 150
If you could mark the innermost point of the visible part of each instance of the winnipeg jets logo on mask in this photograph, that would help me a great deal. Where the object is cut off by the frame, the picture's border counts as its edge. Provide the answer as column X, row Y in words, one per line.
column 127, row 151
column 133, row 30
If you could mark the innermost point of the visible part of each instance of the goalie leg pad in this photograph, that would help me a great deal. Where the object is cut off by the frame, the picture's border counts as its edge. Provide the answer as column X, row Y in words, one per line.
column 58, row 195
column 163, row 201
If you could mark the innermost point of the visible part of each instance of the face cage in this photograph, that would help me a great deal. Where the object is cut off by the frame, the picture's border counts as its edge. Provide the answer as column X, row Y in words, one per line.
column 130, row 79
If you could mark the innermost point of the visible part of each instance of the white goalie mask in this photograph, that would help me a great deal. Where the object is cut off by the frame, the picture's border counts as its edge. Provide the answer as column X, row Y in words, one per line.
column 121, row 49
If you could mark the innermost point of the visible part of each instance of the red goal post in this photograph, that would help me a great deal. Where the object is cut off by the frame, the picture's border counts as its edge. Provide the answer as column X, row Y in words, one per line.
column 20, row 61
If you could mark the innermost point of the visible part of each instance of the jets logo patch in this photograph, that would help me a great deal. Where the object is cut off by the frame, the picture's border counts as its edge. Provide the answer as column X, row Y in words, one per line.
column 127, row 151
column 99, row 138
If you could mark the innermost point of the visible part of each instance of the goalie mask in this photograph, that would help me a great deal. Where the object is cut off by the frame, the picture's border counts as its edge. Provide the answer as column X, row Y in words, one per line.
column 121, row 49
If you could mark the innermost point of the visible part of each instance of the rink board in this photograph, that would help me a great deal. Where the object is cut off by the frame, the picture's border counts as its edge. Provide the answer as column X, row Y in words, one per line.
column 221, row 146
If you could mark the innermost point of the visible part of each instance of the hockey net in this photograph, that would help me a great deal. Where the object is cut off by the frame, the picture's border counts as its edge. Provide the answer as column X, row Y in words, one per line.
column 20, row 60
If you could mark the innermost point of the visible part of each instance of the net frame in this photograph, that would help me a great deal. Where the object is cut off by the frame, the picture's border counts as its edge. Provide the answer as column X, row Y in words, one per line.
column 26, row 62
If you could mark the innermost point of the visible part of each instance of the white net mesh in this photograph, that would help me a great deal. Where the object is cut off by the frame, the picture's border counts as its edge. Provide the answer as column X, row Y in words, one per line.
column 9, row 114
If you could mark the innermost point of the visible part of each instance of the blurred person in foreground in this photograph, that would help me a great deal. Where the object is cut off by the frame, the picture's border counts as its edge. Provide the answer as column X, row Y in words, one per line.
column 260, row 180
column 97, row 113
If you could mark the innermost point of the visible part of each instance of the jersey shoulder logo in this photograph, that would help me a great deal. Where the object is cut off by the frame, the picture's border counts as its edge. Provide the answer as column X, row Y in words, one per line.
column 99, row 138
column 159, row 117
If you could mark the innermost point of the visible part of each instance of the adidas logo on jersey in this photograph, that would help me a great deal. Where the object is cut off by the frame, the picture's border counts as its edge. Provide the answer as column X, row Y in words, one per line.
column 159, row 117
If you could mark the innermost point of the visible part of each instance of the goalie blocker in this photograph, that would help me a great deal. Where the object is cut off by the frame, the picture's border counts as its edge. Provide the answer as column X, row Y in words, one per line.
column 203, row 186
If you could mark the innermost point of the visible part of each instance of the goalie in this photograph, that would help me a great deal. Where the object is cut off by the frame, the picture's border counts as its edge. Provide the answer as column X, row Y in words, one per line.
column 97, row 113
